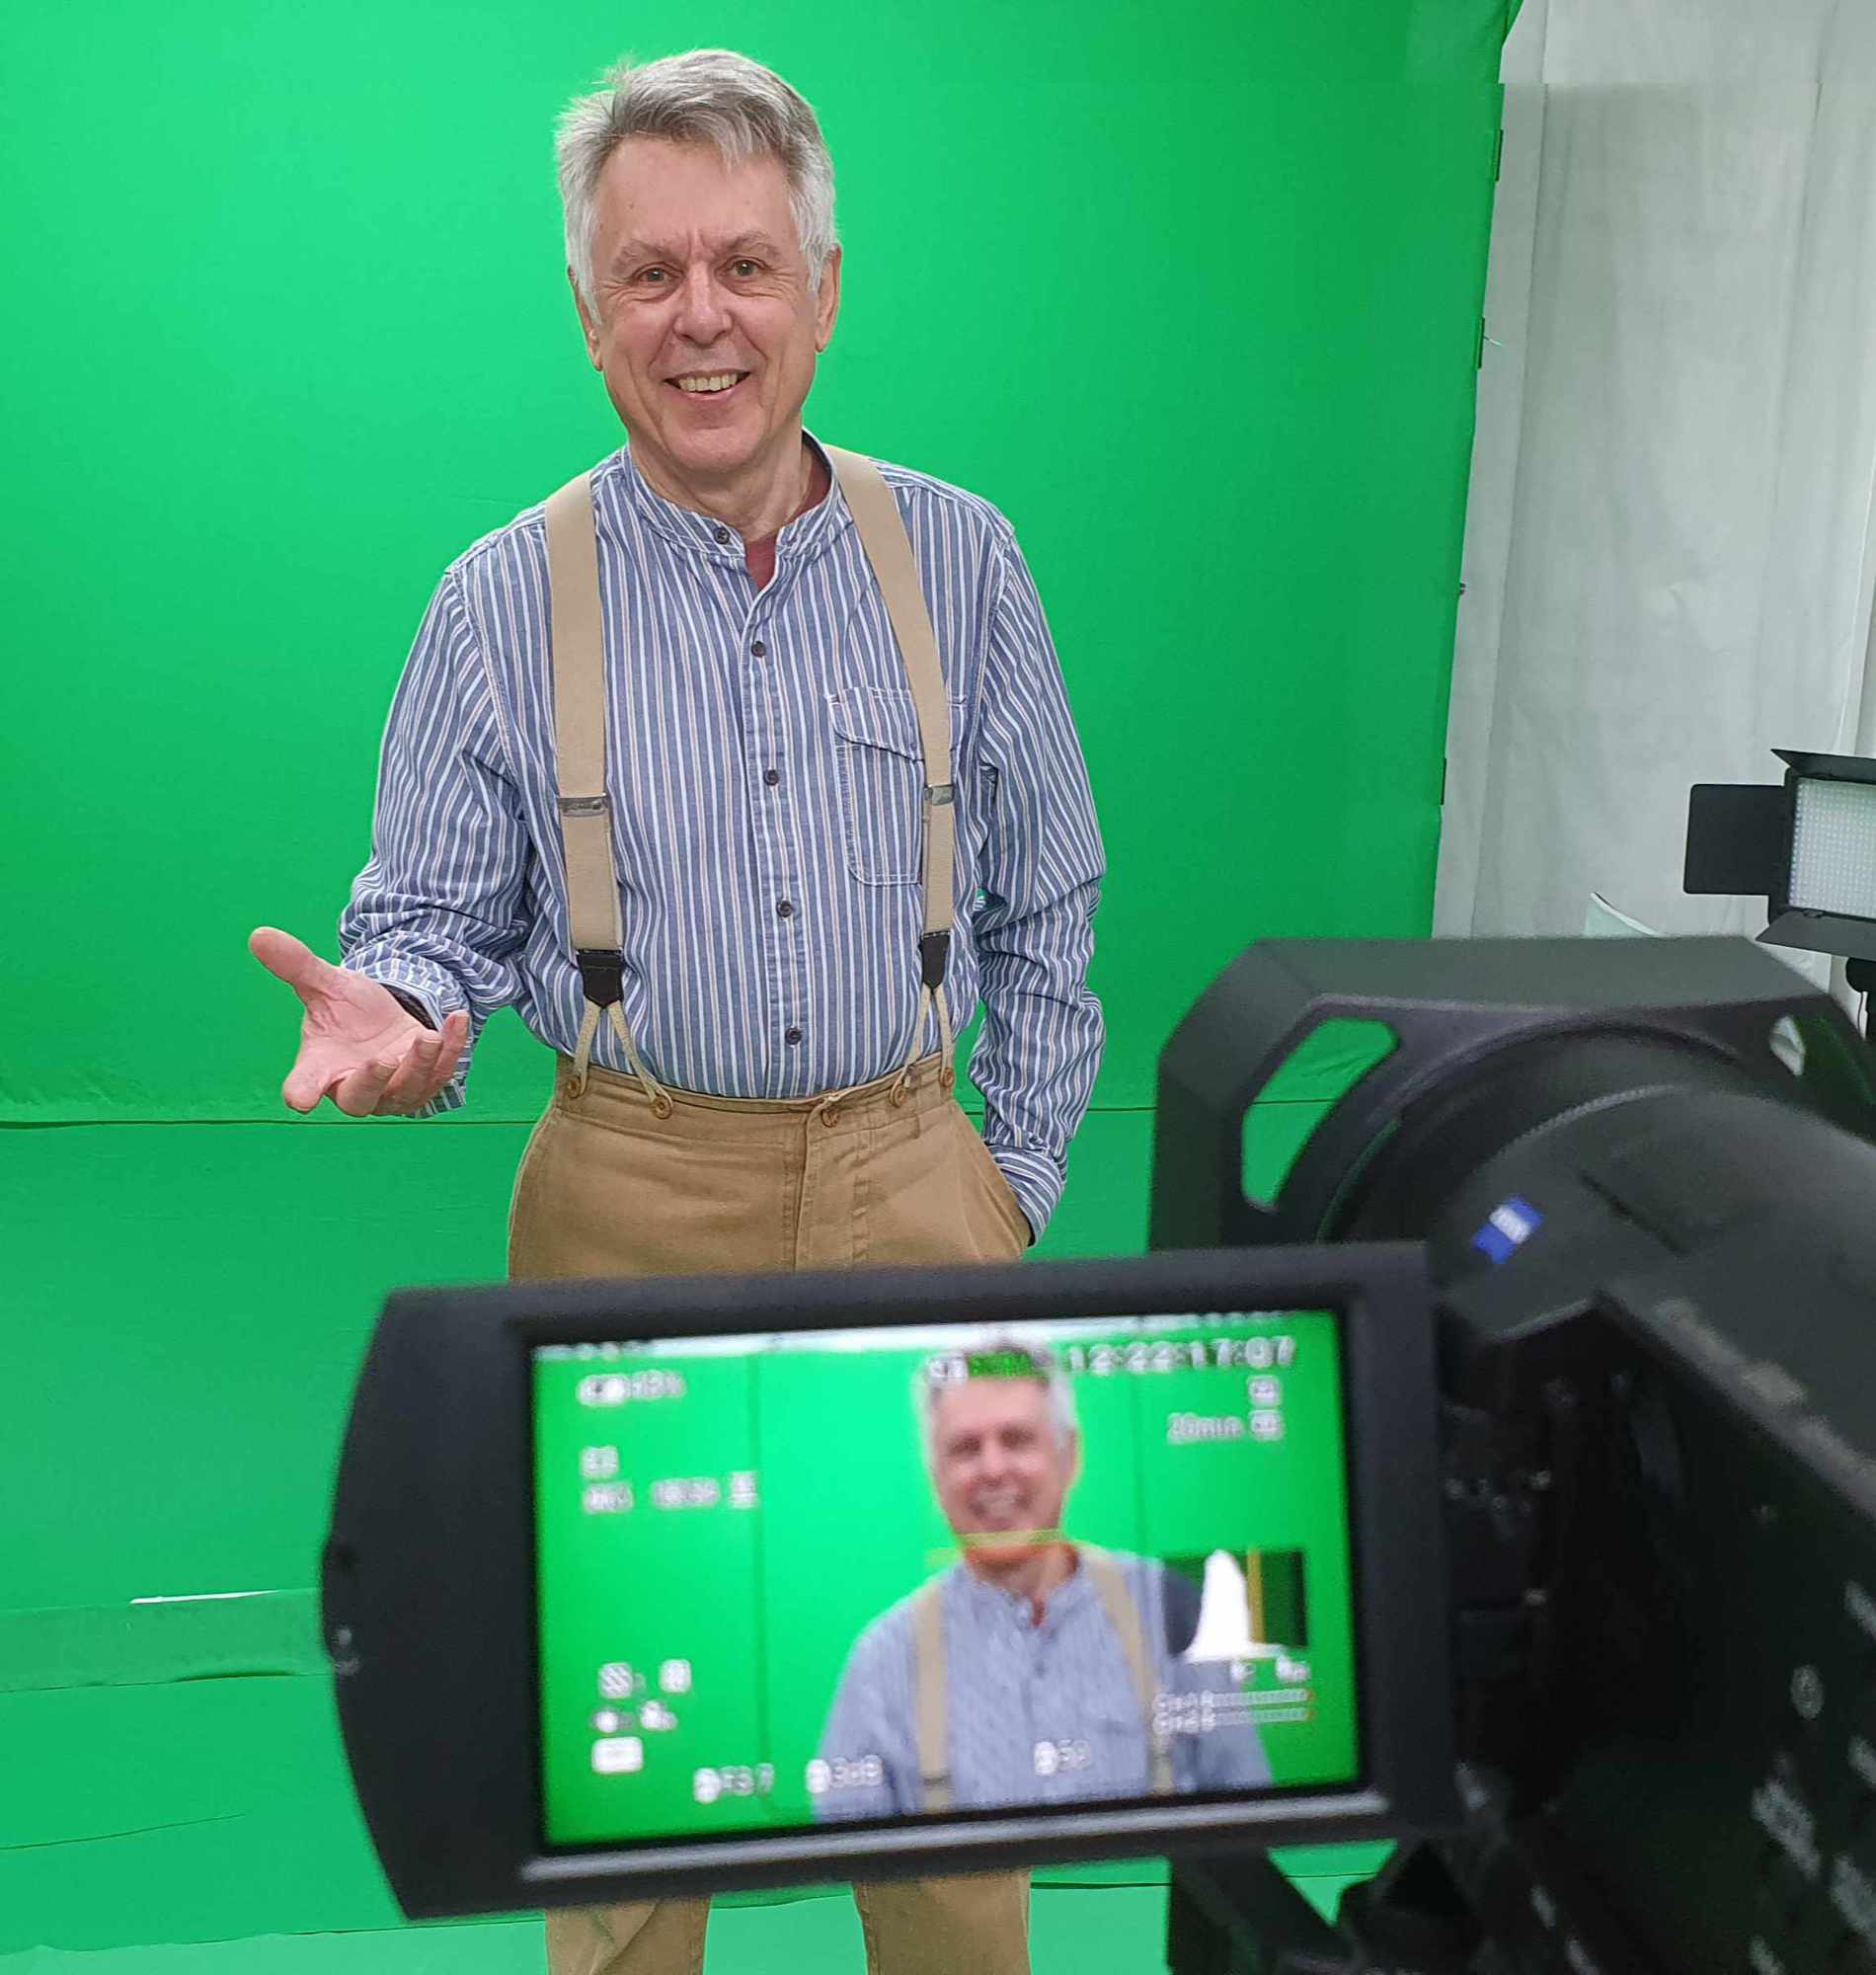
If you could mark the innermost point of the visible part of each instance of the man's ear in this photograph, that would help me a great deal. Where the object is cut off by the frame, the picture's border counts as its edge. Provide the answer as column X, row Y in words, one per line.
column 1075, row 1457
column 588, row 328
column 827, row 302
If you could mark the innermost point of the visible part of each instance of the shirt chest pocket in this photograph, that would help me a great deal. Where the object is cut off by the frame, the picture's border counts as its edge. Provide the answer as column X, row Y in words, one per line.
column 881, row 783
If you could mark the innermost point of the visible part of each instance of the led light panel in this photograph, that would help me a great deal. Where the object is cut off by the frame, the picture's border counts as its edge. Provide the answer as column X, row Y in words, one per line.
column 1834, row 850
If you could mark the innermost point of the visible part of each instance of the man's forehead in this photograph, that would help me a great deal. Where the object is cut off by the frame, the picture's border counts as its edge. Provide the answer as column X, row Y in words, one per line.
column 975, row 1401
column 653, row 184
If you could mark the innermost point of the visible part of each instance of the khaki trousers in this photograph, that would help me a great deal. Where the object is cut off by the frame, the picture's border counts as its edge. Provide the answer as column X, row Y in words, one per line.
column 886, row 1173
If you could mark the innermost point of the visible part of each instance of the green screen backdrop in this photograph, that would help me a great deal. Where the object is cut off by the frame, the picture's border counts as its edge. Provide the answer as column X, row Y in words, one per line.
column 1191, row 290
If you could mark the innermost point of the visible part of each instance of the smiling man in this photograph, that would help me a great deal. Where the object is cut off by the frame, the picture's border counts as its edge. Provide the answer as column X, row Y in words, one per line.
column 706, row 319
column 738, row 767
column 1038, row 1669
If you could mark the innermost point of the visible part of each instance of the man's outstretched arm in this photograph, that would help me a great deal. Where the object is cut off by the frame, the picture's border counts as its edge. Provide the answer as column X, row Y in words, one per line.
column 436, row 917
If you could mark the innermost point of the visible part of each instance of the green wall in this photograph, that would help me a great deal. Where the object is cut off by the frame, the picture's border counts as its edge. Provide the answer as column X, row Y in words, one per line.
column 1190, row 289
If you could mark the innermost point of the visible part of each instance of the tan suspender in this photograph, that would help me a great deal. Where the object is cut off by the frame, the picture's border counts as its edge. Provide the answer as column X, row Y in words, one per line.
column 1123, row 1614
column 930, row 1699
column 586, row 807
column 928, row 1690
column 888, row 548
column 579, row 738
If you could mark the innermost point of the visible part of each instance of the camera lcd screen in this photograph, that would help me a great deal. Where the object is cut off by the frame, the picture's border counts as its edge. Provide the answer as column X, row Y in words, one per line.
column 850, row 1577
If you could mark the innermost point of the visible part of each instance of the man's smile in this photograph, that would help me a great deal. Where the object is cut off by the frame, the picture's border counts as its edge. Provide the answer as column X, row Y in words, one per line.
column 715, row 385
column 998, row 1507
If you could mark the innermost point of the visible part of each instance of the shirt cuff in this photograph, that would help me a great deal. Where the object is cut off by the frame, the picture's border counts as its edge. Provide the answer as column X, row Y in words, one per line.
column 411, row 1006
column 449, row 1098
column 1034, row 1178
column 433, row 988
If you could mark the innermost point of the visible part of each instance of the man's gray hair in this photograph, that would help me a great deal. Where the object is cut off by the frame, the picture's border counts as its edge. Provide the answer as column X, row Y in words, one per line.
column 711, row 96
column 995, row 1357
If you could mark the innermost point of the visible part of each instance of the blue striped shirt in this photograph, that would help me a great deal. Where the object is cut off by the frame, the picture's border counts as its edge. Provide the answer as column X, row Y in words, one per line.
column 1034, row 1712
column 763, row 751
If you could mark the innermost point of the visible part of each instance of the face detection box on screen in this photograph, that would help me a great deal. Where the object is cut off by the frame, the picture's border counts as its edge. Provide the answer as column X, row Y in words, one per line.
column 698, row 1584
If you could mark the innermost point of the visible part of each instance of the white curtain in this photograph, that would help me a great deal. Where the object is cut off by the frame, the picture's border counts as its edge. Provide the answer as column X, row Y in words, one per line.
column 1669, row 554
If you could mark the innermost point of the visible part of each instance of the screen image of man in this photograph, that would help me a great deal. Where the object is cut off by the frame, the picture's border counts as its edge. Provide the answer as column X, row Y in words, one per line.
column 1036, row 1670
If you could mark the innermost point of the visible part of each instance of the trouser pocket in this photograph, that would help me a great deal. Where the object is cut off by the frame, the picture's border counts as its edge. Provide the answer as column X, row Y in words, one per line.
column 524, row 1202
column 1008, row 1225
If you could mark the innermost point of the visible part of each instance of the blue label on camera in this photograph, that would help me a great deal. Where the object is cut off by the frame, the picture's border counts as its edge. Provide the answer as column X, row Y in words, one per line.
column 1509, row 1226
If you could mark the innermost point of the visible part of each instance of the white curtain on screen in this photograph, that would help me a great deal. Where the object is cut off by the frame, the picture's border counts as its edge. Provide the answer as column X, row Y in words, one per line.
column 1669, row 553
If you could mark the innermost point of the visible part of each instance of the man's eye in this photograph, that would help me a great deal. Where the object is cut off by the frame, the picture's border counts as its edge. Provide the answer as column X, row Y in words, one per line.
column 742, row 270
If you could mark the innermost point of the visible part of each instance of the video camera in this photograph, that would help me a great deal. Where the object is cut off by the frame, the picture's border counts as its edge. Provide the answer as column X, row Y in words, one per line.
column 1486, row 1464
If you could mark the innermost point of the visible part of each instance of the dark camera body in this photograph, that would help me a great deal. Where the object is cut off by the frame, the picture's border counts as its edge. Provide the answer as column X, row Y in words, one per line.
column 434, row 1539
column 1651, row 1220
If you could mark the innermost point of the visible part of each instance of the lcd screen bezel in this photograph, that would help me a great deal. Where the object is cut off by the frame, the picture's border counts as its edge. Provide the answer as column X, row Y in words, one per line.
column 431, row 1594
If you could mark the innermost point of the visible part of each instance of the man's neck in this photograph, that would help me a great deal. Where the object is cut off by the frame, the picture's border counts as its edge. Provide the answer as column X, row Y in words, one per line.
column 1034, row 1579
column 757, row 501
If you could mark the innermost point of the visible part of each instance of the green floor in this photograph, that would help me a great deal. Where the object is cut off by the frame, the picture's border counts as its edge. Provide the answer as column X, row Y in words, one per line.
column 186, row 1310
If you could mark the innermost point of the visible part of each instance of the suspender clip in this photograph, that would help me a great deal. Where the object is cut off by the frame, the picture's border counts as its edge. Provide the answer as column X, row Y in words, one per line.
column 941, row 795
column 602, row 974
column 583, row 805
column 934, row 951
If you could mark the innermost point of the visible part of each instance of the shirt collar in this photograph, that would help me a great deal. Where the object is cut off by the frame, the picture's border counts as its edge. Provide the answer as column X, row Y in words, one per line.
column 1059, row 1605
column 622, row 495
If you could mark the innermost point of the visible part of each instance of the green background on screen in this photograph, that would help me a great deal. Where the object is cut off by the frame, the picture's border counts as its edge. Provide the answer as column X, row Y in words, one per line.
column 766, row 1602
column 286, row 330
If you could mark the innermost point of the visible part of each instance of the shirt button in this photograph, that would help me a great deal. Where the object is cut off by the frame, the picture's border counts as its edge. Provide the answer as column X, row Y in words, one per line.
column 723, row 534
column 792, row 1037
column 758, row 650
column 785, row 908
column 771, row 776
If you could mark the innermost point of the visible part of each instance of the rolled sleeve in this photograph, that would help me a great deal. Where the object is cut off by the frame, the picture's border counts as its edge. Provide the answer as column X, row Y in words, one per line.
column 1041, row 873
column 437, row 913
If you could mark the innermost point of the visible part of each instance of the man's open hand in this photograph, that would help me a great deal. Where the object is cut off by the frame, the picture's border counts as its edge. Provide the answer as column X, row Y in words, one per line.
column 357, row 1045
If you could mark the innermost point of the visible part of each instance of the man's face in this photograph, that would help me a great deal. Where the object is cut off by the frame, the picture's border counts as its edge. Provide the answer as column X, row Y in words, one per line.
column 999, row 1468
column 697, row 275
